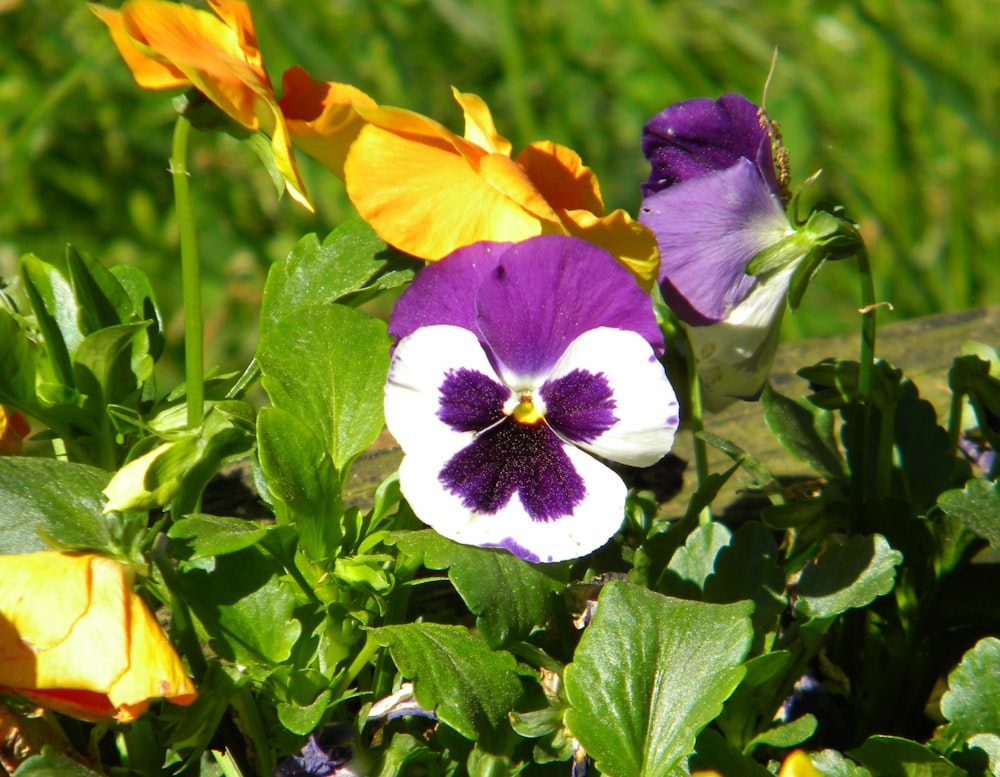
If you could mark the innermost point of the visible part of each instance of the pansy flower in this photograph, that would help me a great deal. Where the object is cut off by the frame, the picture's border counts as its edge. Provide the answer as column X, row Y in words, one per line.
column 168, row 45
column 427, row 191
column 714, row 203
column 75, row 638
column 518, row 368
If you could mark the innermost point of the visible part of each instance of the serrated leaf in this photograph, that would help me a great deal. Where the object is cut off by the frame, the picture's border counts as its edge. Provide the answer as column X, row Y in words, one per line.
column 318, row 274
column 927, row 460
column 694, row 561
column 243, row 604
column 847, row 576
column 660, row 668
column 213, row 535
column 470, row 687
column 327, row 365
column 897, row 757
column 510, row 597
column 748, row 568
column 971, row 701
column 977, row 506
column 44, row 501
column 804, row 430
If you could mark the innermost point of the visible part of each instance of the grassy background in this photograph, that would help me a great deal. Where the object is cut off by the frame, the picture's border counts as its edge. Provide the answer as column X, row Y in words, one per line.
column 896, row 100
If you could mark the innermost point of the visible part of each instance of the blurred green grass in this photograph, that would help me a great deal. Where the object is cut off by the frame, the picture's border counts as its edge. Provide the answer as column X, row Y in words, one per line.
column 895, row 100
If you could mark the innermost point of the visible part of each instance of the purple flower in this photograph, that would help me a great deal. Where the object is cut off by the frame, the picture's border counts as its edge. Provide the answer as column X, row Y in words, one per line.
column 714, row 204
column 517, row 365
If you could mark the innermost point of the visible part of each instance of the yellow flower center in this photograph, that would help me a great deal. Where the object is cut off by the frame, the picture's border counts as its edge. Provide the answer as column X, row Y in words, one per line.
column 526, row 412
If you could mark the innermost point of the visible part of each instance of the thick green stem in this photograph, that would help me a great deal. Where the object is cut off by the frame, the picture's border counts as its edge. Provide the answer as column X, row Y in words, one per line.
column 191, row 275
column 866, row 364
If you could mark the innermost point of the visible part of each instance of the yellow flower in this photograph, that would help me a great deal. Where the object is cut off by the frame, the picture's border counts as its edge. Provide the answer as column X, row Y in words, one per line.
column 76, row 639
column 168, row 45
column 798, row 764
column 13, row 429
column 428, row 191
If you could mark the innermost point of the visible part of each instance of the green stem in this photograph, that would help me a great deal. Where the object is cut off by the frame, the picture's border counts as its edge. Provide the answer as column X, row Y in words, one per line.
column 191, row 275
column 181, row 622
column 697, row 426
column 866, row 364
column 360, row 662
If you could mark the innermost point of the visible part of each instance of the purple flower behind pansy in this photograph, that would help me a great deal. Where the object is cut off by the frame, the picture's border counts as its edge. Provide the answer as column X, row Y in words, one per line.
column 714, row 203
column 516, row 366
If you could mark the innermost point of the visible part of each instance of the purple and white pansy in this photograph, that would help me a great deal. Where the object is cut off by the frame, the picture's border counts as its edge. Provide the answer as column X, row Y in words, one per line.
column 517, row 368
column 714, row 203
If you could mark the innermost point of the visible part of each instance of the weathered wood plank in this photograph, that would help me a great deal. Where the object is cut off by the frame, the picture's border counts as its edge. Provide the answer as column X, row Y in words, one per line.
column 923, row 348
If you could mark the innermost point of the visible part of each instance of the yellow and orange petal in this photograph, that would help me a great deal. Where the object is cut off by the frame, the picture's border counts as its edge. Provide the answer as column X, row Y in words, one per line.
column 75, row 638
column 168, row 45
column 798, row 764
column 13, row 429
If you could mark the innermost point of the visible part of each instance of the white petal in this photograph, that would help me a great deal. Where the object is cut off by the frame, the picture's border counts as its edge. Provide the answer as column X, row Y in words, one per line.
column 593, row 521
column 645, row 404
column 420, row 364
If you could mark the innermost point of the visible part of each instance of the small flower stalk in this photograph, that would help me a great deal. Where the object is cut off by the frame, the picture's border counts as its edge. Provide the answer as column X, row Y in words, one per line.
column 731, row 256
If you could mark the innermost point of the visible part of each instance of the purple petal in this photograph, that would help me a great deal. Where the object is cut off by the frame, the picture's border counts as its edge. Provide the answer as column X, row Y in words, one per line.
column 471, row 401
column 444, row 292
column 546, row 291
column 698, row 137
column 513, row 458
column 708, row 229
column 579, row 405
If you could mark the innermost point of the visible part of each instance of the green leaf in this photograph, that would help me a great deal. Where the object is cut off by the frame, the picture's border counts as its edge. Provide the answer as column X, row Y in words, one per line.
column 748, row 568
column 786, row 735
column 970, row 703
column 52, row 763
column 45, row 502
column 846, row 576
column 510, row 597
column 804, row 430
column 660, row 668
column 243, row 605
column 303, row 720
column 713, row 753
column 56, row 312
column 691, row 565
column 327, row 365
column 897, row 757
column 18, row 355
column 302, row 481
column 926, row 458
column 102, row 300
column 977, row 506
column 317, row 274
column 831, row 763
column 213, row 535
column 469, row 686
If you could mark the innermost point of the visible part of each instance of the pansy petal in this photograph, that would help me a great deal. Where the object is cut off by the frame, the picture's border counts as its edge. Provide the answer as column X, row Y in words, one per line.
column 545, row 292
column 424, row 368
column 321, row 116
column 445, row 292
column 708, row 229
column 625, row 239
column 426, row 198
column 479, row 126
column 148, row 71
column 593, row 521
column 561, row 177
column 694, row 138
column 734, row 357
column 641, row 403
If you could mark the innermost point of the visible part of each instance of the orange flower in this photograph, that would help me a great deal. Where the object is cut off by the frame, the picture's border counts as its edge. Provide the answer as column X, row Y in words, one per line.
column 168, row 45
column 13, row 429
column 75, row 638
column 428, row 191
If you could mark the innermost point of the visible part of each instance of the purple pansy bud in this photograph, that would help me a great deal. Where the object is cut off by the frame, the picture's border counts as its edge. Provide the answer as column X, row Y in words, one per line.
column 330, row 752
column 728, row 251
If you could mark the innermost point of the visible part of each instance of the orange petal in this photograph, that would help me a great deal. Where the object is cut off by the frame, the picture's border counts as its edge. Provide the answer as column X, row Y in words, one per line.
column 208, row 51
column 149, row 72
column 625, row 239
column 561, row 177
column 424, row 192
column 479, row 127
column 320, row 116
column 13, row 429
